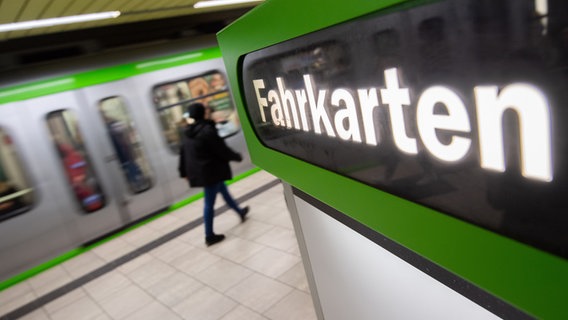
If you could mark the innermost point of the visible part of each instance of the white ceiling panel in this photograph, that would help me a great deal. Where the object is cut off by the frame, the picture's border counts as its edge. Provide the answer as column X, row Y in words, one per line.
column 10, row 10
column 132, row 10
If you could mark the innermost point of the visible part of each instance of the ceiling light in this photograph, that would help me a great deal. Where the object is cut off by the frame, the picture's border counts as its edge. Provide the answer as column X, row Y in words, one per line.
column 24, row 25
column 215, row 3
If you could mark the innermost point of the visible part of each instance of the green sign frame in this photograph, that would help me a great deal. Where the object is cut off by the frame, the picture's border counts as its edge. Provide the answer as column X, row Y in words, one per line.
column 527, row 278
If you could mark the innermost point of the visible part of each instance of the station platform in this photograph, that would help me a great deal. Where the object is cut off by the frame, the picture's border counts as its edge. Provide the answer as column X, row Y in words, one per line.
column 163, row 269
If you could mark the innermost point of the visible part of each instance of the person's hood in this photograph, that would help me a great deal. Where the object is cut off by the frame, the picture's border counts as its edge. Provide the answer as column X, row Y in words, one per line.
column 195, row 128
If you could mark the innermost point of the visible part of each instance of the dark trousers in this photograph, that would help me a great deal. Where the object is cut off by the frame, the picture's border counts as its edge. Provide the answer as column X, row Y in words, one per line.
column 209, row 209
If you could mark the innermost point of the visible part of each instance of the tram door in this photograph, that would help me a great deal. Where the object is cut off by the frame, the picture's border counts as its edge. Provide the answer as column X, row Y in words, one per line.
column 123, row 150
column 66, row 153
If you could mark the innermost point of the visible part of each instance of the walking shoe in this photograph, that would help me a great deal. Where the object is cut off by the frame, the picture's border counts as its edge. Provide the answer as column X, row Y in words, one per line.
column 211, row 240
column 243, row 213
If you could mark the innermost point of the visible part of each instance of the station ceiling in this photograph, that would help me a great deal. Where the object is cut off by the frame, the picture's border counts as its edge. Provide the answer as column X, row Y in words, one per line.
column 140, row 21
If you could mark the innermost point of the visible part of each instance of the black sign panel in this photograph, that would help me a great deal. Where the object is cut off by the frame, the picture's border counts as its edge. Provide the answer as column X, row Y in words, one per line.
column 460, row 106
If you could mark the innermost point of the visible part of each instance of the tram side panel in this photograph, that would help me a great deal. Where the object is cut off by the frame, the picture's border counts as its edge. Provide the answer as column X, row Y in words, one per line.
column 53, row 222
column 161, row 154
column 125, row 149
column 34, row 230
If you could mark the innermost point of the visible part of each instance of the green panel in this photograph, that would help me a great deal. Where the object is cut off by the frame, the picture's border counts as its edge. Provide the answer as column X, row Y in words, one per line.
column 530, row 279
column 103, row 75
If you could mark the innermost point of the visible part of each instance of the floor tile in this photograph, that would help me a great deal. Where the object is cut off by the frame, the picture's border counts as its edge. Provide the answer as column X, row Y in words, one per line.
column 194, row 237
column 82, row 309
column 174, row 289
column 194, row 261
column 50, row 280
column 226, row 222
column 83, row 264
column 189, row 212
column 259, row 292
column 279, row 238
column 297, row 305
column 171, row 250
column 102, row 316
column 166, row 224
column 135, row 263
column 262, row 212
column 236, row 249
column 205, row 304
column 242, row 313
column 282, row 219
column 271, row 262
column 125, row 302
column 295, row 250
column 296, row 277
column 153, row 311
column 141, row 236
column 38, row 314
column 113, row 249
column 252, row 228
column 151, row 272
column 17, row 302
column 223, row 275
column 106, row 285
column 65, row 300
column 14, row 292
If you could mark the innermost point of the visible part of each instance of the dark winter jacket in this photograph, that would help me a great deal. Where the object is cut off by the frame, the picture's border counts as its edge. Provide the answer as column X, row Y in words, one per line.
column 204, row 156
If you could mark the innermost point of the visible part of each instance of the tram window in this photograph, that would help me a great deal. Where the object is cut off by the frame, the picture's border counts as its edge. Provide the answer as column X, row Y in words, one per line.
column 16, row 193
column 68, row 143
column 211, row 89
column 126, row 143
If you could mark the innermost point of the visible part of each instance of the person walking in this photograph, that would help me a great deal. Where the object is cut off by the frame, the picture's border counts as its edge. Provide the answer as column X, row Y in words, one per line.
column 204, row 162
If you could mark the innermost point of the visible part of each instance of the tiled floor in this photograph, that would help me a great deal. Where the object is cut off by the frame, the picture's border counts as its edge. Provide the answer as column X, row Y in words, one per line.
column 256, row 273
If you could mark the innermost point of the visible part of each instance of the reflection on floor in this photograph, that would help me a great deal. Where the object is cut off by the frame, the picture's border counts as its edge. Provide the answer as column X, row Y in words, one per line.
column 255, row 273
